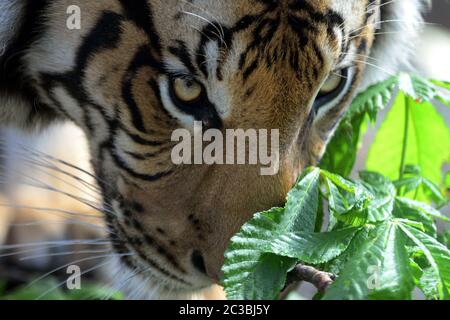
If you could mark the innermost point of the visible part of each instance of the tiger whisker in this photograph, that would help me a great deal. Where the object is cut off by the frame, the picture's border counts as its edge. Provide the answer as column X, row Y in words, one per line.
column 73, row 263
column 52, row 211
column 54, row 222
column 82, row 274
column 385, row 22
column 38, row 256
column 220, row 36
column 40, row 155
column 44, row 186
column 136, row 292
column 360, row 55
column 88, row 185
column 378, row 34
column 391, row 73
column 123, row 282
column 100, row 241
column 205, row 11
column 39, row 168
column 33, row 161
column 16, row 253
column 371, row 7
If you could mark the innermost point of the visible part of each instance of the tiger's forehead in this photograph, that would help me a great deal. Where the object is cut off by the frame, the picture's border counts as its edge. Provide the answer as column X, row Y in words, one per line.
column 214, row 30
column 258, row 48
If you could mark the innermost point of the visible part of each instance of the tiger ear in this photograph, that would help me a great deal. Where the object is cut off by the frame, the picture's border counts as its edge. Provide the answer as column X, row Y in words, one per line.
column 19, row 105
column 399, row 28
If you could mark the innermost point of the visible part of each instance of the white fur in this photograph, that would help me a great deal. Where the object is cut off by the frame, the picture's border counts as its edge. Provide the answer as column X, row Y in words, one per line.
column 393, row 47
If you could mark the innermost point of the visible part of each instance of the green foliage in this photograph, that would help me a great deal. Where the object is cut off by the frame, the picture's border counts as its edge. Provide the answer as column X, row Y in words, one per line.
column 341, row 152
column 427, row 142
column 382, row 240
column 56, row 292
column 251, row 271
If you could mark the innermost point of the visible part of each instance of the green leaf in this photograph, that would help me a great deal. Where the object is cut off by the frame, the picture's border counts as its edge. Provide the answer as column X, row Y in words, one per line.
column 413, row 180
column 384, row 192
column 313, row 248
column 437, row 255
column 416, row 87
column 429, row 285
column 442, row 84
column 444, row 238
column 245, row 259
column 347, row 200
column 434, row 191
column 268, row 278
column 404, row 210
column 427, row 128
column 442, row 97
column 425, row 208
column 341, row 152
column 302, row 203
column 377, row 269
column 346, row 208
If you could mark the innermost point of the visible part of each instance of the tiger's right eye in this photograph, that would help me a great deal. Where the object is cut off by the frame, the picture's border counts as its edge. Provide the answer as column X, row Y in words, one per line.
column 186, row 90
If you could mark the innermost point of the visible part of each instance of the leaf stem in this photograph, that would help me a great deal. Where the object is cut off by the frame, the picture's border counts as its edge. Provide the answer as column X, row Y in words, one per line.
column 405, row 141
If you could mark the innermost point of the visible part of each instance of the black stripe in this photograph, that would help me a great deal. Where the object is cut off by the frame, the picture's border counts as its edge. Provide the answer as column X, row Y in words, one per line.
column 212, row 32
column 141, row 59
column 139, row 11
column 105, row 35
column 13, row 79
column 133, row 173
column 146, row 258
column 182, row 53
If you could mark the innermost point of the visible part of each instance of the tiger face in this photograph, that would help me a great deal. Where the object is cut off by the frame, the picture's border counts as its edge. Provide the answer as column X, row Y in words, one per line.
column 138, row 70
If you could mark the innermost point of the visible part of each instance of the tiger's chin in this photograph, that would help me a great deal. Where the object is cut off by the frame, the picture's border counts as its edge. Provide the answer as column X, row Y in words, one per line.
column 147, row 285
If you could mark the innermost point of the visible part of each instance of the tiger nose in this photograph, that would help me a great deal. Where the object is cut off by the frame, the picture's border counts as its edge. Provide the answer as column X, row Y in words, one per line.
column 198, row 261
column 212, row 270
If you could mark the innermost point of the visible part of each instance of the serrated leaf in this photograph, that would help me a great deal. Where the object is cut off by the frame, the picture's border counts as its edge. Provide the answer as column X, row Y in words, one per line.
column 429, row 285
column 348, row 201
column 444, row 238
column 268, row 278
column 373, row 99
column 437, row 255
column 302, row 204
column 384, row 192
column 313, row 248
column 425, row 208
column 413, row 180
column 405, row 211
column 247, row 259
column 377, row 269
column 246, row 255
column 416, row 87
column 345, row 208
column 443, row 97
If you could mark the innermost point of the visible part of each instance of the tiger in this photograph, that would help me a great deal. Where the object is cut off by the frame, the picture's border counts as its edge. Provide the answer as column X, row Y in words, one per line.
column 128, row 74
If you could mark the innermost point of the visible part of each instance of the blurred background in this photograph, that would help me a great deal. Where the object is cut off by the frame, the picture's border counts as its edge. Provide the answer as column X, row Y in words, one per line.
column 434, row 50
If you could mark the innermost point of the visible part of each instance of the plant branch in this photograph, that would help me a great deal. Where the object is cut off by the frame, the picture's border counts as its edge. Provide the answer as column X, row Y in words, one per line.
column 320, row 279
column 405, row 141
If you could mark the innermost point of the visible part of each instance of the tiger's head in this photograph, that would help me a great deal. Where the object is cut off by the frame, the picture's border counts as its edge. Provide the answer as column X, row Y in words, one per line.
column 130, row 73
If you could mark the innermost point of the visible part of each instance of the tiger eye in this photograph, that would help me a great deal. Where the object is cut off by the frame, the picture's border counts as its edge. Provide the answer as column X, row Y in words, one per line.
column 332, row 83
column 187, row 90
